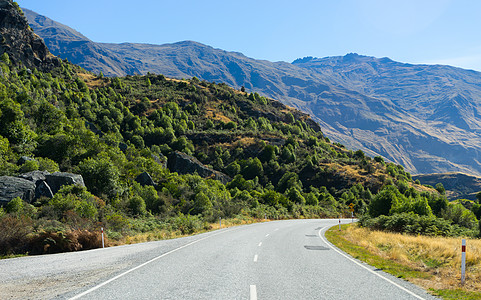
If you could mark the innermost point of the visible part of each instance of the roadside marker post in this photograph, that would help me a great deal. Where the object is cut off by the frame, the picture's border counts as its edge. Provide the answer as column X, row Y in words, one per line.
column 463, row 261
column 220, row 222
column 103, row 243
column 339, row 223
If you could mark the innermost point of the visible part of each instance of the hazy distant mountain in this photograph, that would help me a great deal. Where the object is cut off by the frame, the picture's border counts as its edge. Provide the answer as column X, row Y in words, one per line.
column 424, row 117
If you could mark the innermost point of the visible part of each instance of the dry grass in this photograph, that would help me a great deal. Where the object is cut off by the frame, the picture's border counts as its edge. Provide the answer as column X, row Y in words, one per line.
column 92, row 81
column 437, row 256
column 217, row 115
column 245, row 142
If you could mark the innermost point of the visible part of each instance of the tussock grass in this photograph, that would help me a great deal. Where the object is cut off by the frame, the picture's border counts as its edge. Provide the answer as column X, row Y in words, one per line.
column 431, row 262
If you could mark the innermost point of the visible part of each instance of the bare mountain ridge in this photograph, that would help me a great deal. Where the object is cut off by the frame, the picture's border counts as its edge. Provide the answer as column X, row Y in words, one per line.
column 425, row 117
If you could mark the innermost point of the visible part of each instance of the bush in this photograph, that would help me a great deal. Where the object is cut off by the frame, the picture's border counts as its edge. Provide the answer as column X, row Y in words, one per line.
column 137, row 206
column 14, row 234
column 187, row 224
column 15, row 206
column 413, row 224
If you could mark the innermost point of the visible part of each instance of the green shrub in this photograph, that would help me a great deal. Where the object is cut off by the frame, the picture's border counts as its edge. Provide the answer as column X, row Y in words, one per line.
column 15, row 205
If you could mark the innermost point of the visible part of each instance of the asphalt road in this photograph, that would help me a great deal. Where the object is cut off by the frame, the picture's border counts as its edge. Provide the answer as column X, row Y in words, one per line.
column 272, row 260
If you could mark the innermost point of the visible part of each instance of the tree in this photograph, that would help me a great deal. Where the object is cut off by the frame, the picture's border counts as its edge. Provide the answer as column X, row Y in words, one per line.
column 137, row 206
column 295, row 196
column 100, row 175
column 268, row 153
column 287, row 181
column 202, row 205
column 440, row 188
column 381, row 203
column 253, row 169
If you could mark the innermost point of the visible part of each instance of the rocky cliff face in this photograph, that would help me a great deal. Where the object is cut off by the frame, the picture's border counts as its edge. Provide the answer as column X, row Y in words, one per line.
column 21, row 44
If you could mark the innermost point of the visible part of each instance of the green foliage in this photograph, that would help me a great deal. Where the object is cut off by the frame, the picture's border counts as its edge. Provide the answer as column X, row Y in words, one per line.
column 440, row 188
column 137, row 206
column 458, row 214
column 414, row 224
column 72, row 198
column 16, row 205
column 382, row 202
column 100, row 175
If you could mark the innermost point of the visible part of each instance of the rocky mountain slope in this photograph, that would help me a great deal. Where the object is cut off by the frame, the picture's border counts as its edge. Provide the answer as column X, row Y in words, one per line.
column 423, row 117
column 18, row 40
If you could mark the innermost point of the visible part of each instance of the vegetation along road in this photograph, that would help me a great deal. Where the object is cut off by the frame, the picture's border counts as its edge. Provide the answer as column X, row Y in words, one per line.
column 274, row 260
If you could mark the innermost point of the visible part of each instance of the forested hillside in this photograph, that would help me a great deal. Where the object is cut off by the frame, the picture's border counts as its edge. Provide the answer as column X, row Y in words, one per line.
column 160, row 154
column 424, row 117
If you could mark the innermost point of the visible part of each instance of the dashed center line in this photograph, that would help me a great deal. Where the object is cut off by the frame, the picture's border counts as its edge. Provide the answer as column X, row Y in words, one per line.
column 255, row 258
column 276, row 229
column 267, row 235
column 260, row 244
column 253, row 292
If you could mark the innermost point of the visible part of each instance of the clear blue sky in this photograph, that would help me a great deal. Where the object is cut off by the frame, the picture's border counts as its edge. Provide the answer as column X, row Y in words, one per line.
column 413, row 31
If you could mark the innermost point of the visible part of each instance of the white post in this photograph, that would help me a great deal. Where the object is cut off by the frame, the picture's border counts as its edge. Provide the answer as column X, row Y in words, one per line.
column 352, row 217
column 265, row 216
column 220, row 222
column 103, row 243
column 339, row 223
column 463, row 261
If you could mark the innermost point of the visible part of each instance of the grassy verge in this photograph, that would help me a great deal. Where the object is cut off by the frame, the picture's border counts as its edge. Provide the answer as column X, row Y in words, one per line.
column 430, row 262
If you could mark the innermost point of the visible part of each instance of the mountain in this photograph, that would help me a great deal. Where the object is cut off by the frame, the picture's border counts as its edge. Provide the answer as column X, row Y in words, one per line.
column 457, row 185
column 424, row 117
column 18, row 41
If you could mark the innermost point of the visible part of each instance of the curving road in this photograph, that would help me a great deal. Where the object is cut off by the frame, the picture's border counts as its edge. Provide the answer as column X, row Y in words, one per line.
column 274, row 260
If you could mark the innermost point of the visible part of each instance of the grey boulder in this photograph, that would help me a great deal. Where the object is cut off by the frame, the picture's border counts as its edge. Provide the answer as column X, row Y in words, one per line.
column 58, row 179
column 145, row 179
column 34, row 176
column 12, row 187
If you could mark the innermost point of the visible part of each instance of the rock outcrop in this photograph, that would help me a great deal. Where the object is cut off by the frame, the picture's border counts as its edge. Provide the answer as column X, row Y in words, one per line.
column 58, row 179
column 34, row 176
column 13, row 187
column 184, row 164
column 43, row 190
column 145, row 179
column 33, row 185
column 20, row 43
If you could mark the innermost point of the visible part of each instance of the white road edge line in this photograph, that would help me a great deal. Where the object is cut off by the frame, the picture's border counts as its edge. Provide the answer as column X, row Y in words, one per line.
column 255, row 258
column 375, row 273
column 260, row 244
column 253, row 292
column 144, row 264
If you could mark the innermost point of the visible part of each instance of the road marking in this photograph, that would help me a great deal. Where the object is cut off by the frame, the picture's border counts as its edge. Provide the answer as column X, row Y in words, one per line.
column 267, row 235
column 255, row 258
column 260, row 244
column 253, row 293
column 276, row 229
column 375, row 273
column 146, row 263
